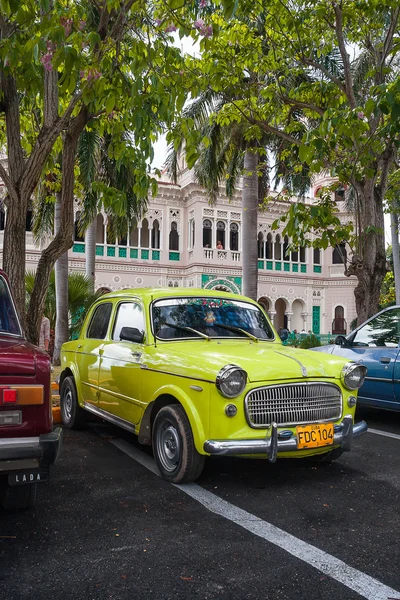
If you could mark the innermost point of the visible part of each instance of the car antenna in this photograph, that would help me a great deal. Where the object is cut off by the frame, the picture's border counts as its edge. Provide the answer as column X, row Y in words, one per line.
column 155, row 337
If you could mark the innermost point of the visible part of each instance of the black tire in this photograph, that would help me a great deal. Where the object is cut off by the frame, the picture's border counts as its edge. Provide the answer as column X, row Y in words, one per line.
column 173, row 446
column 73, row 416
column 18, row 497
column 328, row 457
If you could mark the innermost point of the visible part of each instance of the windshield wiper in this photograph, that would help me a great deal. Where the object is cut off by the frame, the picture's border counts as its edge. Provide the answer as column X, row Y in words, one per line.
column 203, row 335
column 238, row 329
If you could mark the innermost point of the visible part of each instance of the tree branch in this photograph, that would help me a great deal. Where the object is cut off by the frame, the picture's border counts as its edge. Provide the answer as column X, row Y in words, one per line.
column 389, row 35
column 8, row 183
column 345, row 57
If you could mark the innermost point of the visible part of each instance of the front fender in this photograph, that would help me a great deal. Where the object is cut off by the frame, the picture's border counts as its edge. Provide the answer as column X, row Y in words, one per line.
column 68, row 365
column 198, row 415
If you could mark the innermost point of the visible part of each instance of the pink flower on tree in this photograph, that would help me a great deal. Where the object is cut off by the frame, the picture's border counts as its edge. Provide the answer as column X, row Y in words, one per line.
column 199, row 24
column 171, row 27
column 360, row 114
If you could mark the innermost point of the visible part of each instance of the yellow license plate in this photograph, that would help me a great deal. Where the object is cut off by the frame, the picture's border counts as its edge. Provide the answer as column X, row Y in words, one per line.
column 313, row 436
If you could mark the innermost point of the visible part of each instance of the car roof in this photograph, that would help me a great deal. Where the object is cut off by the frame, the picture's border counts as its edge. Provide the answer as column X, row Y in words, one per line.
column 149, row 294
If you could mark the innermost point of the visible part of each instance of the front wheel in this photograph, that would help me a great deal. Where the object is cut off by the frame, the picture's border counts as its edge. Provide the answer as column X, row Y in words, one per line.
column 18, row 497
column 73, row 416
column 173, row 446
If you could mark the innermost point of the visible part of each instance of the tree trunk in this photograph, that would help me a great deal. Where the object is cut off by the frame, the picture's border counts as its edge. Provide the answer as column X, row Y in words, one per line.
column 370, row 265
column 90, row 248
column 394, row 226
column 63, row 239
column 61, row 279
column 14, row 254
column 249, row 225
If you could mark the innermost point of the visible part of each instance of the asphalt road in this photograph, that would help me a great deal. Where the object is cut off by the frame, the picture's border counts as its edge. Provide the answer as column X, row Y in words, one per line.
column 107, row 527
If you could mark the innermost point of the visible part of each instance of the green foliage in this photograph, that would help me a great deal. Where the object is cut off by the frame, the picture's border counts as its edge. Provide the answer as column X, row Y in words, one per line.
column 309, row 341
column 80, row 298
column 388, row 291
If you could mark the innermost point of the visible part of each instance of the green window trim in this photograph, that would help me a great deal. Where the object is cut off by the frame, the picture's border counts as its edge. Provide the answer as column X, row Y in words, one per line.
column 78, row 248
column 278, row 266
column 122, row 252
column 295, row 268
column 317, row 269
column 303, row 268
column 155, row 255
column 99, row 250
column 260, row 264
column 286, row 266
column 134, row 253
column 270, row 265
column 144, row 254
column 174, row 256
column 110, row 250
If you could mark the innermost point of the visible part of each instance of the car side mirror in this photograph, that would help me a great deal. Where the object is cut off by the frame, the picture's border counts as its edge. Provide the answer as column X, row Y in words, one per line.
column 340, row 340
column 131, row 334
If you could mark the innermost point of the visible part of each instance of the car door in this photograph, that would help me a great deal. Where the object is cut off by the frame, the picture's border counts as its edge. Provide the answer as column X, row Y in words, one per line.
column 376, row 345
column 120, row 373
column 87, row 357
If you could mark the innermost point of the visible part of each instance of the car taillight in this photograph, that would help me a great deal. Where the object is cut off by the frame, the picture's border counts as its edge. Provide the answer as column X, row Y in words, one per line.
column 9, row 396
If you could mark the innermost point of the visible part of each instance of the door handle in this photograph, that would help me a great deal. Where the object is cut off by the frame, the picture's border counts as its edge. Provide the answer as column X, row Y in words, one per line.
column 384, row 360
column 79, row 346
column 136, row 354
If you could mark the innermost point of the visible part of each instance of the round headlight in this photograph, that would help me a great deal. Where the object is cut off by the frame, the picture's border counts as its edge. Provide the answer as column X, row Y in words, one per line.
column 353, row 376
column 231, row 381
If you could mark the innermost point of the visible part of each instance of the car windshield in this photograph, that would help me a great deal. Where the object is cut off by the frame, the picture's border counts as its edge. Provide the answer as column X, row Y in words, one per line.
column 177, row 318
column 8, row 317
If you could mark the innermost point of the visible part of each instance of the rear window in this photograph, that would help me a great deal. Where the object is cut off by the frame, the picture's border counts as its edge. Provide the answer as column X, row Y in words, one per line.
column 8, row 316
column 99, row 324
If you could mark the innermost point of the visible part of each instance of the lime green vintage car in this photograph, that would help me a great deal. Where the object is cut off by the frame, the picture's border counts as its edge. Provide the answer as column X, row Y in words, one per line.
column 197, row 373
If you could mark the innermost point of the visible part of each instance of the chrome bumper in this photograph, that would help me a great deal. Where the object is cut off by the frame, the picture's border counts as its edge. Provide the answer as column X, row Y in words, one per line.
column 275, row 442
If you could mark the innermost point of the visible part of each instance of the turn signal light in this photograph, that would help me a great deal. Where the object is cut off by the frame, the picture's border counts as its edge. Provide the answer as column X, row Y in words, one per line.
column 9, row 396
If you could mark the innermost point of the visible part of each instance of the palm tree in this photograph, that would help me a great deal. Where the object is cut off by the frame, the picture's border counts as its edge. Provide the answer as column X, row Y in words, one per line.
column 79, row 299
column 108, row 185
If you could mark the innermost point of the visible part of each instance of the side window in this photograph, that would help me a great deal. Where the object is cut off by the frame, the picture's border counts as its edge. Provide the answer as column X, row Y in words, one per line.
column 129, row 314
column 99, row 323
column 382, row 331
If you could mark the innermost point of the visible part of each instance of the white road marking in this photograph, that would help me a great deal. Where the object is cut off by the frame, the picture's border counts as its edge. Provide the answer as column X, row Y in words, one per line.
column 359, row 582
column 394, row 436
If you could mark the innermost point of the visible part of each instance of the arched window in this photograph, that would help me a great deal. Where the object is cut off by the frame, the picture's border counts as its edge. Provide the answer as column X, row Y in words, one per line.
column 78, row 236
column 286, row 255
column 123, row 240
column 278, row 247
column 207, row 233
column 134, row 235
column 174, row 236
column 234, row 236
column 144, row 234
column 221, row 234
column 302, row 254
column 268, row 247
column 99, row 229
column 260, row 244
column 339, row 322
column 317, row 256
column 295, row 256
column 339, row 255
column 155, row 235
column 29, row 220
column 2, row 218
column 192, row 232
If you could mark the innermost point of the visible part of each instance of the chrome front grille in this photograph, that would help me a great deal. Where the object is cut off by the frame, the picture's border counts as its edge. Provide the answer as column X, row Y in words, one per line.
column 293, row 404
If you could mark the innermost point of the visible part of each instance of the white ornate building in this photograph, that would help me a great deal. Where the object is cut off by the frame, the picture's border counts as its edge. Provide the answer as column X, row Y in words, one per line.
column 176, row 245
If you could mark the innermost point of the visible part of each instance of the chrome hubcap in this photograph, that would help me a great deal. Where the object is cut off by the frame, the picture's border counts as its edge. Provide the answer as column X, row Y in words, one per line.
column 67, row 405
column 168, row 446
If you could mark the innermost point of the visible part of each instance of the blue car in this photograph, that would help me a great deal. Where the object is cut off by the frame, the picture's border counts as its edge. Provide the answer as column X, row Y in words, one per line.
column 376, row 345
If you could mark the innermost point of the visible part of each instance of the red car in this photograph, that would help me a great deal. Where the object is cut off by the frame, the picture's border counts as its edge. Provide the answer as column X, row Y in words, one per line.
column 28, row 443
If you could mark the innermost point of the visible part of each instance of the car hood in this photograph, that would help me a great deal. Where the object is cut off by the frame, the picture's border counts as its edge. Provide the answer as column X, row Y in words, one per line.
column 329, row 349
column 263, row 361
column 17, row 357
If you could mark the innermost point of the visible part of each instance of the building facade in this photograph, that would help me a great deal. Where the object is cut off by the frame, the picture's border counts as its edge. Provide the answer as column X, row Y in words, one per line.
column 183, row 241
